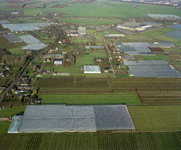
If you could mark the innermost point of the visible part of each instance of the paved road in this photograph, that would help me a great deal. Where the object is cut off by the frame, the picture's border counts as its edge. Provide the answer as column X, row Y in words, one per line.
column 61, row 35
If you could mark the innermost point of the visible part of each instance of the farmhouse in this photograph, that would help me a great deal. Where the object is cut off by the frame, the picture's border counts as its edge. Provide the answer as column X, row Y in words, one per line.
column 62, row 118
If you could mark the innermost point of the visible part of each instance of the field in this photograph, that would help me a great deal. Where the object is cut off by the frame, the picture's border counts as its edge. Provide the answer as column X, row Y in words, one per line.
column 155, row 58
column 84, row 61
column 93, row 21
column 91, row 141
column 7, row 45
column 76, row 99
column 70, row 85
column 12, row 111
column 156, row 118
column 161, row 99
column 16, row 51
column 157, row 32
column 4, row 82
column 95, row 54
column 147, row 85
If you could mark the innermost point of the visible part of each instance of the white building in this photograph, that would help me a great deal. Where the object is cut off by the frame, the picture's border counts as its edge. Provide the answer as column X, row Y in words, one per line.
column 81, row 30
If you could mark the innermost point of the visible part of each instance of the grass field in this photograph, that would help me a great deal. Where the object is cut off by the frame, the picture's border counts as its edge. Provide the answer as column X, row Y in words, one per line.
column 91, row 21
column 95, row 54
column 12, row 111
column 16, row 51
column 156, row 118
column 155, row 58
column 93, row 75
column 171, row 49
column 157, row 32
column 167, row 38
column 131, row 99
column 91, row 141
column 83, row 61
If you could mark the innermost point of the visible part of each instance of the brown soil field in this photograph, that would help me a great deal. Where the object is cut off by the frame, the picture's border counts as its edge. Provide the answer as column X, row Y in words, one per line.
column 156, row 49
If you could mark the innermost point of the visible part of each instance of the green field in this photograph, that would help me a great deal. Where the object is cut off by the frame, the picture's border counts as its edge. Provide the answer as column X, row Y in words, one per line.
column 12, row 111
column 93, row 21
column 91, row 141
column 155, row 57
column 156, row 118
column 83, row 61
column 131, row 99
column 93, row 75
column 16, row 51
column 95, row 54
column 157, row 32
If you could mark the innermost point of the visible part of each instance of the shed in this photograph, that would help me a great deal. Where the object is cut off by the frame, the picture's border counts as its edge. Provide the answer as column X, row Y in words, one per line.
column 58, row 61
column 92, row 69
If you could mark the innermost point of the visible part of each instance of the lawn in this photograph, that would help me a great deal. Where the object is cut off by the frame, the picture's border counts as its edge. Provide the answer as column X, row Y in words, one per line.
column 171, row 50
column 12, row 111
column 131, row 99
column 4, row 125
column 64, row 69
column 95, row 54
column 83, row 61
column 156, row 118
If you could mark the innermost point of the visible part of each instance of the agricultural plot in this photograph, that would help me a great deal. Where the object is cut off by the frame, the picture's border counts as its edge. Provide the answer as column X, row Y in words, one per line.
column 151, row 85
column 151, row 68
column 4, row 82
column 161, row 99
column 71, row 85
column 174, row 34
column 156, row 118
column 177, row 26
column 86, row 21
column 12, row 38
column 94, row 141
column 4, row 43
column 85, row 99
column 83, row 61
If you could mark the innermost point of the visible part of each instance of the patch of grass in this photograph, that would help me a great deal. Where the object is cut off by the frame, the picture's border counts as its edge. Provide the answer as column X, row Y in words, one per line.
column 12, row 111
column 83, row 61
column 90, row 21
column 156, row 118
column 167, row 38
column 178, row 43
column 119, row 75
column 4, row 125
column 156, row 32
column 171, row 50
column 95, row 54
column 128, row 99
column 93, row 75
column 16, row 51
column 155, row 57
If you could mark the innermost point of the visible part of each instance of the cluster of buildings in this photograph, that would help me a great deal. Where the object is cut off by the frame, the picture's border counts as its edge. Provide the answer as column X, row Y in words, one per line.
column 81, row 31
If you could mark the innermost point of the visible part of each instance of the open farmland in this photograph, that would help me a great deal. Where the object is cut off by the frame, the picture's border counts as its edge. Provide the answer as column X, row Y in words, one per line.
column 76, row 99
column 149, row 85
column 94, row 141
column 93, row 21
column 4, row 43
column 156, row 118
column 73, row 85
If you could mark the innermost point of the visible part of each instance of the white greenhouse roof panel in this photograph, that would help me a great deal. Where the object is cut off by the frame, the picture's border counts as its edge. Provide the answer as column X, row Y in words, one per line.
column 116, row 35
column 92, row 69
column 78, row 118
column 36, row 46
column 15, row 124
column 29, row 39
column 5, row 22
column 161, row 16
column 25, row 26
column 12, row 38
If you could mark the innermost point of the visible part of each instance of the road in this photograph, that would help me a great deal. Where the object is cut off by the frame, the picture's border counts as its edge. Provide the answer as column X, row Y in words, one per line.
column 61, row 35
column 110, row 58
